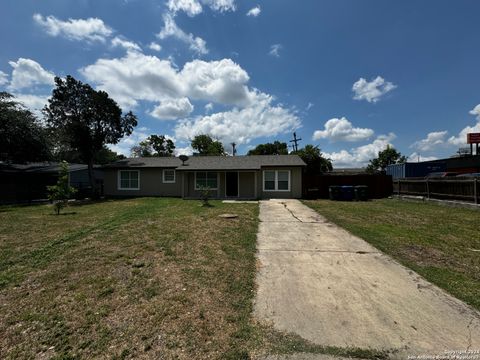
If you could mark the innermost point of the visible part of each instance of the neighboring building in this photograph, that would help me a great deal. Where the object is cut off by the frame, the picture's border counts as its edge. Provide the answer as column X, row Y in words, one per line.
column 28, row 182
column 228, row 177
column 461, row 165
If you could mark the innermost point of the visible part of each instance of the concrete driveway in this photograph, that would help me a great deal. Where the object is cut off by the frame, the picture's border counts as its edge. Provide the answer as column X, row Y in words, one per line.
column 320, row 282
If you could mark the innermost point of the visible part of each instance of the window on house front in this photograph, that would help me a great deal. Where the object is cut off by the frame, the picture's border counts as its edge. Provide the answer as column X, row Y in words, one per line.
column 168, row 176
column 205, row 179
column 129, row 180
column 276, row 180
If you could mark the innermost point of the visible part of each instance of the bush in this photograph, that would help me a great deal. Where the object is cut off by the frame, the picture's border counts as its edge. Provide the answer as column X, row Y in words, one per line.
column 62, row 191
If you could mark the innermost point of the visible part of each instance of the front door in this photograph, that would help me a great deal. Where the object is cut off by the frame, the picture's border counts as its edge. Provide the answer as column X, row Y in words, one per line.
column 231, row 184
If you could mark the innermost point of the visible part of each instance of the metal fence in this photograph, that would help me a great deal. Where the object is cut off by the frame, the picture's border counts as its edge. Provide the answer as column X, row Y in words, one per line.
column 453, row 189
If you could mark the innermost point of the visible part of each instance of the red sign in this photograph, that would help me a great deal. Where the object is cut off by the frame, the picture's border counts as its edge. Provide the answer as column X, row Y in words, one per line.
column 473, row 138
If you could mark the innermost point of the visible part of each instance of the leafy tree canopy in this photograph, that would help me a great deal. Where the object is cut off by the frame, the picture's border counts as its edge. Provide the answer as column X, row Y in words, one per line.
column 275, row 148
column 84, row 119
column 154, row 145
column 206, row 145
column 102, row 157
column 316, row 162
column 385, row 157
column 22, row 137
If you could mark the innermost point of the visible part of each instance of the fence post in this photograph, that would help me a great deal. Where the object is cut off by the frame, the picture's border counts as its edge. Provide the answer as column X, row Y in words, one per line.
column 428, row 190
column 399, row 182
column 475, row 192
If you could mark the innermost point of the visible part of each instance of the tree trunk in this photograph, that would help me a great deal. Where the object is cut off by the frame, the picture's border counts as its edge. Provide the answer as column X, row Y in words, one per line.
column 91, row 179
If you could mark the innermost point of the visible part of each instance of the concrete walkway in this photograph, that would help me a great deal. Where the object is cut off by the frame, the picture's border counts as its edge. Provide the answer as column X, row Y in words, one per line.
column 317, row 280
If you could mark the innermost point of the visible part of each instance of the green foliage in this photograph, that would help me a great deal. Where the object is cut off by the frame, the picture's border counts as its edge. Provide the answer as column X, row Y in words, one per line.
column 205, row 195
column 206, row 145
column 154, row 145
column 102, row 157
column 84, row 119
column 22, row 137
column 275, row 148
column 62, row 191
column 316, row 162
column 386, row 157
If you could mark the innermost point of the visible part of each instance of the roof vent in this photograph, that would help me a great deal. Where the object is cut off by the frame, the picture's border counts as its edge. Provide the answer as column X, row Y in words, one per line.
column 183, row 158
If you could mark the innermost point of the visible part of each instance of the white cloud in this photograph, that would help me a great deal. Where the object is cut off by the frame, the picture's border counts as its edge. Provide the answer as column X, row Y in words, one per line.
column 208, row 107
column 342, row 130
column 360, row 156
column 221, row 5
column 118, row 41
column 255, row 11
column 190, row 7
column 170, row 29
column 171, row 109
column 35, row 103
column 3, row 78
column 309, row 106
column 27, row 73
column 415, row 157
column 154, row 46
column 187, row 150
column 476, row 111
column 275, row 50
column 461, row 139
column 125, row 145
column 194, row 7
column 241, row 125
column 91, row 29
column 138, row 76
column 432, row 141
column 371, row 91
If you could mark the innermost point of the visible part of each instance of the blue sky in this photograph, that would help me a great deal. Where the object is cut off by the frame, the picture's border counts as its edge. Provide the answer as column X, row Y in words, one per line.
column 350, row 76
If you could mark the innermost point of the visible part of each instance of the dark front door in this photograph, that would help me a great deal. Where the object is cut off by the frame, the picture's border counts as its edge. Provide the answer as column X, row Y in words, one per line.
column 231, row 184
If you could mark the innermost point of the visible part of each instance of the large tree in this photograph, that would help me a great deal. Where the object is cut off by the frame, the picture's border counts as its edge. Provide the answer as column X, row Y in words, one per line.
column 316, row 162
column 154, row 145
column 22, row 137
column 206, row 145
column 85, row 119
column 385, row 157
column 275, row 148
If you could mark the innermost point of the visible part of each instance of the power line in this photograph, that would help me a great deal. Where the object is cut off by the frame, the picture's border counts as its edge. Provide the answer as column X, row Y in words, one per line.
column 295, row 141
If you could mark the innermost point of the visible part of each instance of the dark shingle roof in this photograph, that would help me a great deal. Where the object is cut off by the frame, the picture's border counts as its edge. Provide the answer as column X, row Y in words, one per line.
column 252, row 162
column 40, row 167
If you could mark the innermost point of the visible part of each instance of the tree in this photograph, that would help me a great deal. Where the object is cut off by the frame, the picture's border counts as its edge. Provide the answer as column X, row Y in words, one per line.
column 102, row 157
column 22, row 137
column 85, row 119
column 316, row 162
column 206, row 145
column 154, row 145
column 385, row 157
column 275, row 148
column 62, row 191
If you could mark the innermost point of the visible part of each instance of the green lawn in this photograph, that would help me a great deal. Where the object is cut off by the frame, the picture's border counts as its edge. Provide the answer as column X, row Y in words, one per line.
column 151, row 278
column 440, row 243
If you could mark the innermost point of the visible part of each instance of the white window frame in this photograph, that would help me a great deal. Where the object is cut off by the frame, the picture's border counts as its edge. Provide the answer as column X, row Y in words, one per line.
column 119, row 180
column 215, row 172
column 174, row 176
column 276, row 181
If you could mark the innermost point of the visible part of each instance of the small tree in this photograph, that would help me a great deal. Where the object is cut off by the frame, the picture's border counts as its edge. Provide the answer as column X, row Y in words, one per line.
column 62, row 191
column 275, row 148
column 386, row 157
column 205, row 195
column 206, row 145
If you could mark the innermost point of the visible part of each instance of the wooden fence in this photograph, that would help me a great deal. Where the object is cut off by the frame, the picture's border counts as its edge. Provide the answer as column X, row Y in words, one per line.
column 453, row 189
column 316, row 186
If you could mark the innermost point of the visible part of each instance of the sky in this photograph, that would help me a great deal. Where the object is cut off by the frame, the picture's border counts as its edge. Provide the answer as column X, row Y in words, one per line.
column 351, row 76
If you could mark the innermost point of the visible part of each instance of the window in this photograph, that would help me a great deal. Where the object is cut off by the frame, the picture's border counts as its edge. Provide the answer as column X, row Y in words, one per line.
column 206, row 179
column 129, row 180
column 168, row 176
column 276, row 180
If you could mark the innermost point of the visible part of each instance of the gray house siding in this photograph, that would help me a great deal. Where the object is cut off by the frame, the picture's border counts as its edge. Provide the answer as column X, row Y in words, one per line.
column 295, row 191
column 151, row 183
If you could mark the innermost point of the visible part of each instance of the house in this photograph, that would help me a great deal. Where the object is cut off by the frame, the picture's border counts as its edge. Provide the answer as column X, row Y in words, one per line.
column 227, row 177
column 28, row 182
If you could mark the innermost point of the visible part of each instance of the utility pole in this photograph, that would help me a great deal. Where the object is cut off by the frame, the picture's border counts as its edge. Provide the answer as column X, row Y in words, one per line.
column 234, row 150
column 295, row 141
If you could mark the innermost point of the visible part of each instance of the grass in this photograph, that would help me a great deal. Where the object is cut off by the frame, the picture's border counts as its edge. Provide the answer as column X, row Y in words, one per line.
column 151, row 278
column 138, row 278
column 440, row 243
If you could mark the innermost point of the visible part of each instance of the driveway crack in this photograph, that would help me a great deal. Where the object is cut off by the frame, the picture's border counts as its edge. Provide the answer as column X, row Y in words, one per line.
column 291, row 212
